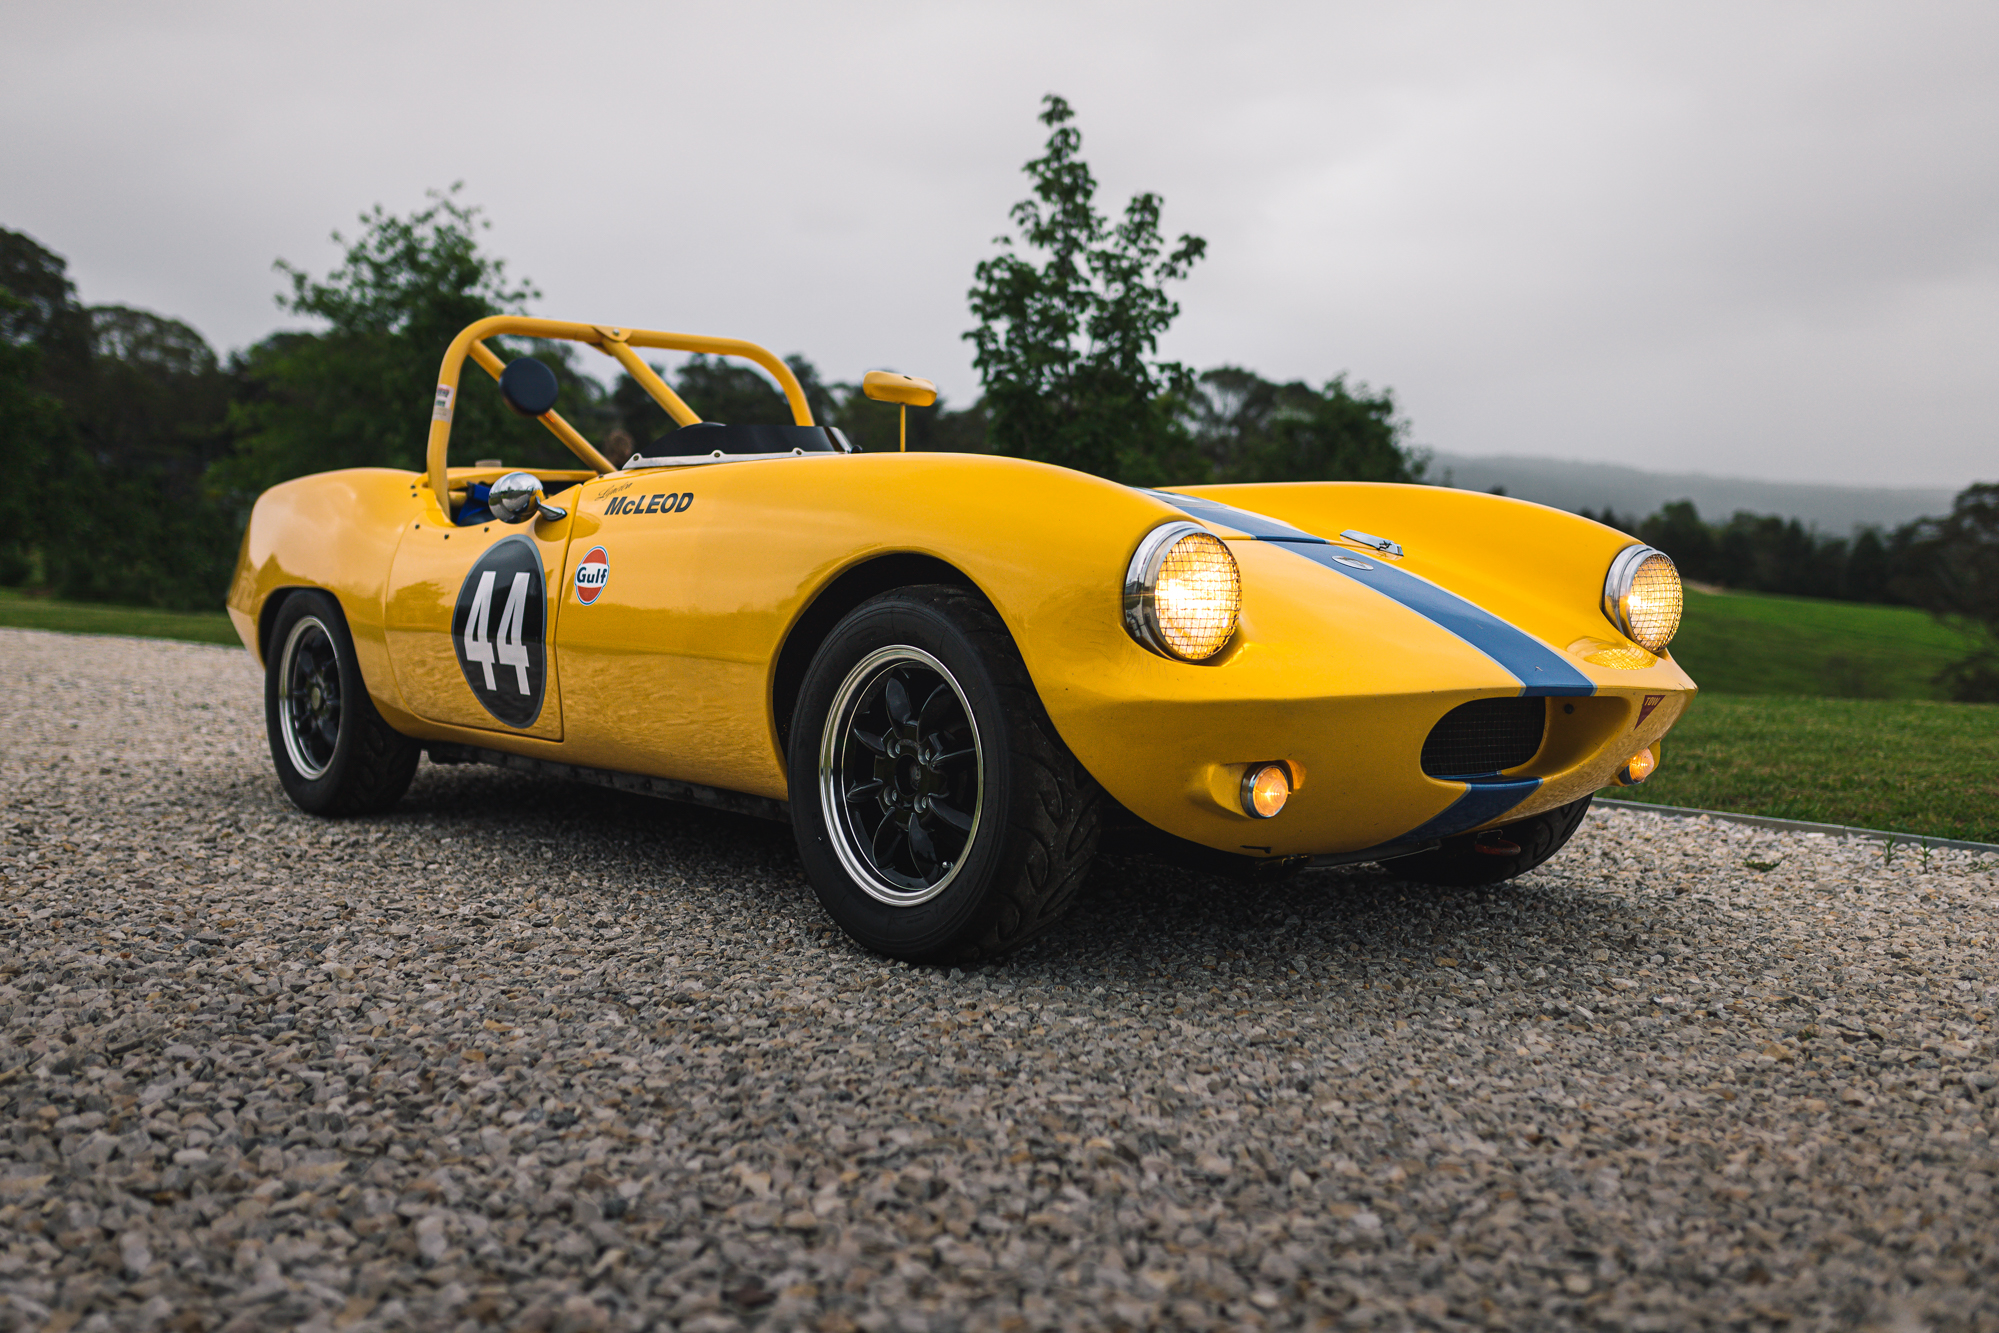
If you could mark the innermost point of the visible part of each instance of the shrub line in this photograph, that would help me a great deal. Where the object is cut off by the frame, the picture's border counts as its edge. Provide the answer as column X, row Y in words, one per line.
column 1797, row 825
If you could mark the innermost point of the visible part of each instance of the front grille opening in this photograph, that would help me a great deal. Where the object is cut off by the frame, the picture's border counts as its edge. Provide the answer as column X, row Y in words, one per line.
column 1484, row 737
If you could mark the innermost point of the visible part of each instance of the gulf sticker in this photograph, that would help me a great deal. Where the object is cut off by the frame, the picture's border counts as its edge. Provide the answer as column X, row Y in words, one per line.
column 593, row 571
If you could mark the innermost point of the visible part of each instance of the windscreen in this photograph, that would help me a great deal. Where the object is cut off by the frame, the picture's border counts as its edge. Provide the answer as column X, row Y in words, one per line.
column 707, row 437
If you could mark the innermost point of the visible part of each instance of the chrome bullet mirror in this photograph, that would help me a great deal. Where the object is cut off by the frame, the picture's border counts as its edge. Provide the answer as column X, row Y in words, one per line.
column 517, row 497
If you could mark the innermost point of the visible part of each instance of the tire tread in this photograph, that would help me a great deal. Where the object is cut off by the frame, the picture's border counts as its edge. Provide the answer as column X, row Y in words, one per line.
column 1042, row 820
column 1058, row 829
column 374, row 763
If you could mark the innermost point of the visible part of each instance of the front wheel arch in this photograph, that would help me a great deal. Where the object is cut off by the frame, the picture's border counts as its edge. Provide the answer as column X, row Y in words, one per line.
column 830, row 605
column 1034, row 811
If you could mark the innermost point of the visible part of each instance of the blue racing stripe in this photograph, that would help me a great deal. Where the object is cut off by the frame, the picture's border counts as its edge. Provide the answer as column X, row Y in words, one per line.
column 1260, row 526
column 1540, row 670
column 1483, row 800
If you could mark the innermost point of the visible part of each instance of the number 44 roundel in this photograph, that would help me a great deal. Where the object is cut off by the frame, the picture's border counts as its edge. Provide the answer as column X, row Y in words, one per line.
column 499, row 629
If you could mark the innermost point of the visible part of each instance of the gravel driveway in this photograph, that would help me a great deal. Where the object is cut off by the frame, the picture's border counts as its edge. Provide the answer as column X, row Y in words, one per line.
column 533, row 1055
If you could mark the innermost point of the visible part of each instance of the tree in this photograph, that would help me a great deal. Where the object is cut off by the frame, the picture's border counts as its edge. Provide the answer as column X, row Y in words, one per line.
column 154, row 420
column 721, row 389
column 1069, row 319
column 1677, row 530
column 1251, row 429
column 1869, row 565
column 116, row 413
column 358, row 392
column 43, row 313
column 877, row 427
column 159, row 400
column 1954, row 575
column 34, row 434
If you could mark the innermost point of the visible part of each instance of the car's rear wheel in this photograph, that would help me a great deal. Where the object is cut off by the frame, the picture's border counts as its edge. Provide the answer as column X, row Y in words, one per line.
column 938, row 815
column 1493, row 855
column 333, row 752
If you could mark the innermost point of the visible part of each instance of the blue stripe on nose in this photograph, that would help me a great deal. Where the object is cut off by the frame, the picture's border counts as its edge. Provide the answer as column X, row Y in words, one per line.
column 1484, row 799
column 1540, row 670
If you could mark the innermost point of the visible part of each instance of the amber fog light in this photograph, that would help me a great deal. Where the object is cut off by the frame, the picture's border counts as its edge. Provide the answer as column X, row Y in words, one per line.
column 1638, row 769
column 1265, row 789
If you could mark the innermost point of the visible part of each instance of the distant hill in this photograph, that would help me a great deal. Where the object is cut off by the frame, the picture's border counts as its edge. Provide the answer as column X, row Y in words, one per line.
column 1834, row 510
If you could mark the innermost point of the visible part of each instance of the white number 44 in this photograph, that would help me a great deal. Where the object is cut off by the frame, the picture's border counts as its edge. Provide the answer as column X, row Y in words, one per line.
column 512, row 652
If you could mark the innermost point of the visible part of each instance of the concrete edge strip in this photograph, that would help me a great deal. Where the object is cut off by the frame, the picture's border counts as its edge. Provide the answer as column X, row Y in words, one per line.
column 1797, row 825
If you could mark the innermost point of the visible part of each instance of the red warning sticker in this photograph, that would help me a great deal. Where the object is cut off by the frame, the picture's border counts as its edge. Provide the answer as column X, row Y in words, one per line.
column 593, row 571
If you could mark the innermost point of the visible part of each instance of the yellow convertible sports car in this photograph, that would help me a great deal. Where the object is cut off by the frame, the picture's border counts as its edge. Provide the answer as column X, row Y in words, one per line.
column 955, row 674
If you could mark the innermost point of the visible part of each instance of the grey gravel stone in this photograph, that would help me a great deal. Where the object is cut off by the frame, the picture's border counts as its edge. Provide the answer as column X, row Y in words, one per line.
column 530, row 1055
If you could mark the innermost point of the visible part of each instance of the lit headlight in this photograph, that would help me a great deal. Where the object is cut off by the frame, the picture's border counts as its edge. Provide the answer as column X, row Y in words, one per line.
column 1641, row 596
column 1182, row 592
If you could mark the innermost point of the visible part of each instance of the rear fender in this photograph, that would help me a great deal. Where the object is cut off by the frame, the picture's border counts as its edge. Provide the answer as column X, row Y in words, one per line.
column 337, row 532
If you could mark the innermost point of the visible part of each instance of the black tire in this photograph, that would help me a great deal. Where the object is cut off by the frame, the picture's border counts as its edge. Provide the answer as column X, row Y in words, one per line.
column 1460, row 863
column 334, row 753
column 951, row 824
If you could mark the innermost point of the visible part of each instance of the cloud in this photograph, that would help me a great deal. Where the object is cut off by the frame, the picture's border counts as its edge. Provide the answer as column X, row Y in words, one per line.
column 1741, row 239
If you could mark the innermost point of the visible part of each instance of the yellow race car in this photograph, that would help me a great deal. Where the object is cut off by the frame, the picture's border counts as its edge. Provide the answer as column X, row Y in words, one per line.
column 956, row 674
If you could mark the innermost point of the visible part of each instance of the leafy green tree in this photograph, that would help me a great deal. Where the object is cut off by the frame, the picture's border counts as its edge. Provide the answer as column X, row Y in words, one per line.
column 160, row 399
column 358, row 391
column 1678, row 530
column 154, row 421
column 719, row 389
column 42, row 312
column 722, row 389
column 1069, row 320
column 1251, row 429
column 1952, row 571
column 116, row 413
column 1869, row 567
column 34, row 436
column 877, row 427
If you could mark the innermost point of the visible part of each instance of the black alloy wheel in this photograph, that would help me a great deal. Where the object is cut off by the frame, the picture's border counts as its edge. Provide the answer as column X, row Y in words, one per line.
column 938, row 815
column 333, row 752
column 899, row 775
column 309, row 696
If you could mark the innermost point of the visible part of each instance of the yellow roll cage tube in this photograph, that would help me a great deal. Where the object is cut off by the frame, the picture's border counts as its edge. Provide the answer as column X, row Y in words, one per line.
column 613, row 342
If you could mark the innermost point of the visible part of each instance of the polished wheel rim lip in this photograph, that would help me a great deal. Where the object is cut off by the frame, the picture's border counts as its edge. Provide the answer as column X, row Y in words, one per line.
column 842, row 748
column 309, row 697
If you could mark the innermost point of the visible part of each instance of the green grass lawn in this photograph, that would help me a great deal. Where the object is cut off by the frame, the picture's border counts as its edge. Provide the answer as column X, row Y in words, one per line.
column 1828, row 711
column 1911, row 765
column 1749, row 643
column 21, row 611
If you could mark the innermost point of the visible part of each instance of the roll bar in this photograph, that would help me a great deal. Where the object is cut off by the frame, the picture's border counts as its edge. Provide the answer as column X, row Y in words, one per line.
column 613, row 342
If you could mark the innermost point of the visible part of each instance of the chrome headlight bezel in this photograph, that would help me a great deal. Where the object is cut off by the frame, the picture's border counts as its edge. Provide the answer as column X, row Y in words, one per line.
column 1617, row 585
column 1141, row 586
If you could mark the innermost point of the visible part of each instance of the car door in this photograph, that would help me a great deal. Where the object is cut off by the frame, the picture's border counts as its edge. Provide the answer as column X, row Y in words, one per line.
column 470, row 622
column 668, row 626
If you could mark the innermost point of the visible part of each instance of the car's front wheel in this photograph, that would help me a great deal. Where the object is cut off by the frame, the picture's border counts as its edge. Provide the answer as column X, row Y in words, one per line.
column 938, row 815
column 333, row 752
column 1494, row 855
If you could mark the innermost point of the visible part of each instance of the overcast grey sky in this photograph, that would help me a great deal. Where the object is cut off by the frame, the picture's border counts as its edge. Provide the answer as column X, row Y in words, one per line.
column 1745, row 239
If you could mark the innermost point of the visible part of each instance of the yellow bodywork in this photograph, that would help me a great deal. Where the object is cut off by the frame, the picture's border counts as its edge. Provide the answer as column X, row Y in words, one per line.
column 681, row 665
